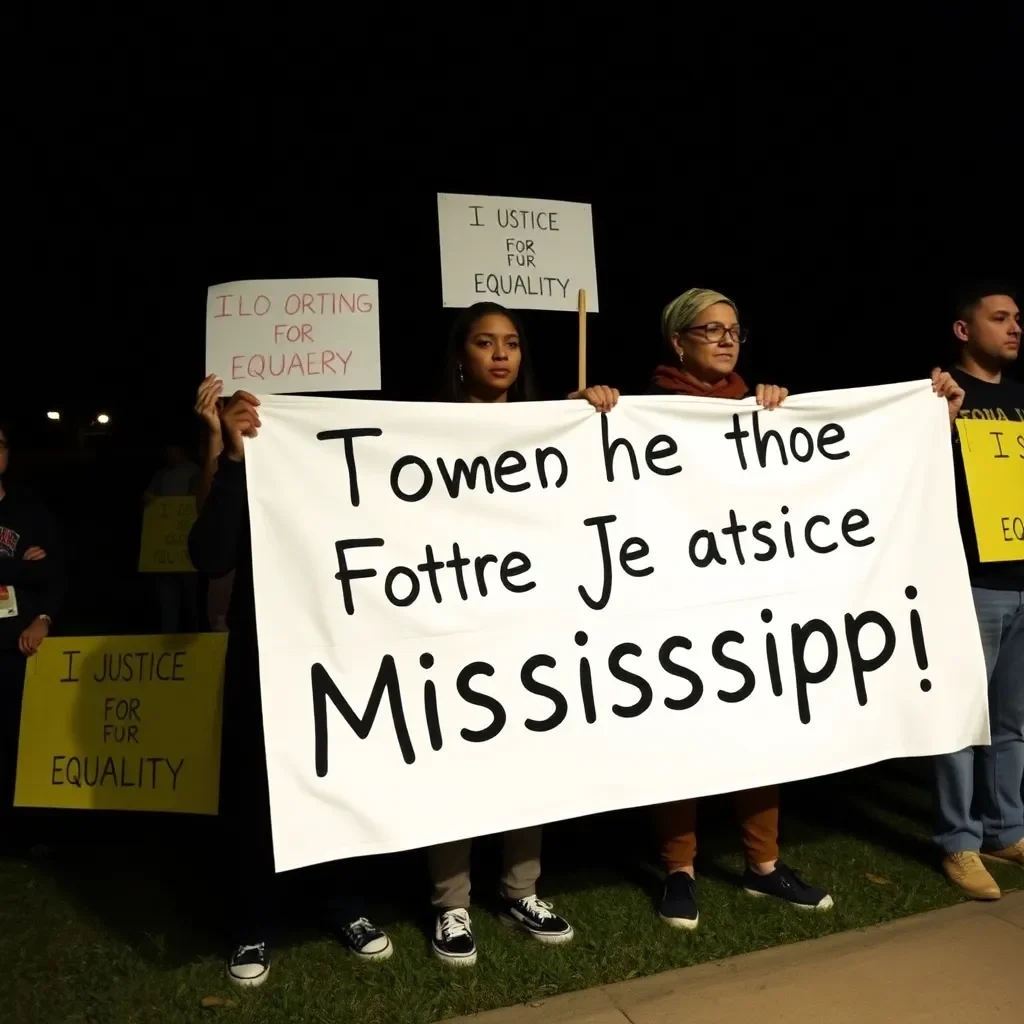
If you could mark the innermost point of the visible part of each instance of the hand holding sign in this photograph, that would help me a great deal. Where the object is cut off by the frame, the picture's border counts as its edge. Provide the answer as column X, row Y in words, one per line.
column 206, row 403
column 239, row 419
column 32, row 636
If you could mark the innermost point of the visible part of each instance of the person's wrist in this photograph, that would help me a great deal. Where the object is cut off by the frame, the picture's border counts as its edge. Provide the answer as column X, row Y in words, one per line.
column 46, row 619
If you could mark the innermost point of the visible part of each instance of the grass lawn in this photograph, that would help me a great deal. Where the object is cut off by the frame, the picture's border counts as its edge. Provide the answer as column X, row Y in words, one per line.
column 120, row 921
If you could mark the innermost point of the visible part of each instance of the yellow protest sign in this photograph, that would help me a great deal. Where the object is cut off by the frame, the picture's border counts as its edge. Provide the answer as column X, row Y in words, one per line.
column 165, row 526
column 993, row 452
column 129, row 723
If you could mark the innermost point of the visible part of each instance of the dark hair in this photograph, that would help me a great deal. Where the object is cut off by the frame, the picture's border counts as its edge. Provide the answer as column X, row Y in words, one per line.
column 452, row 388
column 968, row 299
column 5, row 432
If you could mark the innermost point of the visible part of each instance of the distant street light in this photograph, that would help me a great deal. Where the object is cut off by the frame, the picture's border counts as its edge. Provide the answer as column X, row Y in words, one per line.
column 52, row 415
column 103, row 418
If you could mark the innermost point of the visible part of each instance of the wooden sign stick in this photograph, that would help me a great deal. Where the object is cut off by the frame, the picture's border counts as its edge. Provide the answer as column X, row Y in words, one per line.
column 581, row 375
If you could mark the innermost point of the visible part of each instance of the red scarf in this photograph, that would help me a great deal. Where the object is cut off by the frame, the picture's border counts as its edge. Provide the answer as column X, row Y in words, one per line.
column 679, row 382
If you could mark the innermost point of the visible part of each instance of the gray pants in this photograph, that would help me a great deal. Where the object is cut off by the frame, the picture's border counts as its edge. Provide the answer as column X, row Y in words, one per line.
column 449, row 868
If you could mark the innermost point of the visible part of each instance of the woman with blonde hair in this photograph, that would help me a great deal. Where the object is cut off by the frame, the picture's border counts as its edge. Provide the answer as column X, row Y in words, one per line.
column 703, row 334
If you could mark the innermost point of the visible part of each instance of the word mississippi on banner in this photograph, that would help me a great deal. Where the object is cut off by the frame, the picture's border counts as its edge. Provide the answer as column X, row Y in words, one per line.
column 531, row 612
column 123, row 723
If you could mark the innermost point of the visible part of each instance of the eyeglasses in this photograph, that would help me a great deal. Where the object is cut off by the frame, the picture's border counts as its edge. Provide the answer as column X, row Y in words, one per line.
column 715, row 332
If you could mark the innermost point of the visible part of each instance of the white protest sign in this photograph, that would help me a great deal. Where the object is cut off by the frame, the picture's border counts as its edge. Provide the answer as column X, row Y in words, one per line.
column 475, row 618
column 522, row 253
column 282, row 337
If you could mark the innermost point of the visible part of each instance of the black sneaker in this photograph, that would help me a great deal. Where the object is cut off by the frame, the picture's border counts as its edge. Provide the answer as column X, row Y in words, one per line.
column 786, row 884
column 366, row 940
column 453, row 937
column 679, row 902
column 249, row 965
column 536, row 918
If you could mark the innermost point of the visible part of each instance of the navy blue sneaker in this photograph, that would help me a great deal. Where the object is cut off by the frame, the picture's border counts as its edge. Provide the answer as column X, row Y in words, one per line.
column 786, row 884
column 679, row 902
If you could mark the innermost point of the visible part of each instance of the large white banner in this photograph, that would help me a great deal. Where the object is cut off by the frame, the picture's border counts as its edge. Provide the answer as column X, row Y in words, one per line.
column 476, row 618
column 288, row 336
column 522, row 253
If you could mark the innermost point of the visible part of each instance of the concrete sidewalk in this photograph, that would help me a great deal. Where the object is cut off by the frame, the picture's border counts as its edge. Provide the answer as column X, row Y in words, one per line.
column 951, row 966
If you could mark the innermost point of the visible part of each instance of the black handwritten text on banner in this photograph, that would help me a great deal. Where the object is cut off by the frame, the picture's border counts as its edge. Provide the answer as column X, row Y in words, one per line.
column 531, row 612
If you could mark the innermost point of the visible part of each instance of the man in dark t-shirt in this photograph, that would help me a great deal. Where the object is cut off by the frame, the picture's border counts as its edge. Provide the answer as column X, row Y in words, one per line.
column 980, row 807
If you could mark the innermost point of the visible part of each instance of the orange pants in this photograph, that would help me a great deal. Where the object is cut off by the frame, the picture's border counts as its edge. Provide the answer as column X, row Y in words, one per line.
column 757, row 809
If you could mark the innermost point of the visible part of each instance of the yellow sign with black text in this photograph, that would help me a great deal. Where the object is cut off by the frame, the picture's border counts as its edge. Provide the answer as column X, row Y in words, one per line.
column 993, row 453
column 123, row 723
column 165, row 527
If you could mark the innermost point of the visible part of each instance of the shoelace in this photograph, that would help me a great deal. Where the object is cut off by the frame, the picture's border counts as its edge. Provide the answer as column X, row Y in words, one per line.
column 260, row 947
column 538, row 908
column 360, row 927
column 454, row 923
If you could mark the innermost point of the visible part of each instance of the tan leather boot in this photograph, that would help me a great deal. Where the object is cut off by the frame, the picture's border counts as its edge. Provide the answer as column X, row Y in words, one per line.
column 966, row 871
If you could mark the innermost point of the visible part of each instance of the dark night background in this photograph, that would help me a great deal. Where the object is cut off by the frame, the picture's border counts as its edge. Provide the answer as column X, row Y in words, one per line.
column 838, row 180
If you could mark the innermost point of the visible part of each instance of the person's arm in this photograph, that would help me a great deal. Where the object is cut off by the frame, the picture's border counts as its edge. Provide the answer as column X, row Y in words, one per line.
column 206, row 408
column 213, row 539
column 206, row 475
column 24, row 572
column 55, row 587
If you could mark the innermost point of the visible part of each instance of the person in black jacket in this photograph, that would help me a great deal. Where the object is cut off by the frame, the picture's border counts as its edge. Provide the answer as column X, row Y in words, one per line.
column 32, row 587
column 218, row 544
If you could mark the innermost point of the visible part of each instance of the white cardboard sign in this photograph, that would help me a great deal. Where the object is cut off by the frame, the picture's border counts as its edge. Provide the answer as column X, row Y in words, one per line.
column 521, row 253
column 287, row 336
column 475, row 618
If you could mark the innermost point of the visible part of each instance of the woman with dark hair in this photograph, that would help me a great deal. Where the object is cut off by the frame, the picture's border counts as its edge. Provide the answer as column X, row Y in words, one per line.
column 702, row 331
column 489, row 361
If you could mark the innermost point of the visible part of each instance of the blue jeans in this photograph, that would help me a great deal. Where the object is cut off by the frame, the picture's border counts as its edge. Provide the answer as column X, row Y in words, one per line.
column 979, row 789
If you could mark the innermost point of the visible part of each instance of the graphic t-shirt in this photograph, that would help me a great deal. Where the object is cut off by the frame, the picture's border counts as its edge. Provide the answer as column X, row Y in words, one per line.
column 992, row 402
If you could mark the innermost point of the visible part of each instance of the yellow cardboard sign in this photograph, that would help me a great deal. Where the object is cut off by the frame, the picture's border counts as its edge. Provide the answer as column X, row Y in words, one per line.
column 993, row 453
column 165, row 526
column 123, row 723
